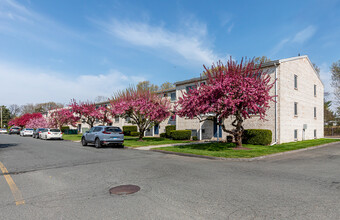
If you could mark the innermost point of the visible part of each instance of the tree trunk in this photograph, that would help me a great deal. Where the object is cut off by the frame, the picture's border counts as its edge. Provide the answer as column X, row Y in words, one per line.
column 141, row 135
column 238, row 139
column 238, row 131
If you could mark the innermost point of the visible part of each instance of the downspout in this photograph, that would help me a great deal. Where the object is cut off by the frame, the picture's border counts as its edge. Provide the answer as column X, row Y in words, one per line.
column 275, row 135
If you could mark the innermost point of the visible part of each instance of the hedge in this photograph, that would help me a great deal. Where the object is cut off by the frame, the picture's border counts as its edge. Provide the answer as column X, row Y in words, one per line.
column 64, row 128
column 163, row 135
column 128, row 129
column 257, row 136
column 168, row 129
column 181, row 134
column 134, row 133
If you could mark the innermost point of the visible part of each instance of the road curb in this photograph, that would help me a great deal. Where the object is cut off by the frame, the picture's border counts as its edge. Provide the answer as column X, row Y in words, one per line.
column 244, row 159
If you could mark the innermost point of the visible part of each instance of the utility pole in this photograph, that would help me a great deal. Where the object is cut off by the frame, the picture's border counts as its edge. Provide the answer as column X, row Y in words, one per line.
column 1, row 116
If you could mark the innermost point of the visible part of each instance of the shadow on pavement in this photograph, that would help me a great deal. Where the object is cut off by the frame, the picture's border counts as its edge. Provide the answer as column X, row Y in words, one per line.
column 7, row 145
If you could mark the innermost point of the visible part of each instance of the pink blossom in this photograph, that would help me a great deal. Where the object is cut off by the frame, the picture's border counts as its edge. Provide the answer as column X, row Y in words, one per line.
column 238, row 90
column 90, row 112
column 144, row 107
column 37, row 123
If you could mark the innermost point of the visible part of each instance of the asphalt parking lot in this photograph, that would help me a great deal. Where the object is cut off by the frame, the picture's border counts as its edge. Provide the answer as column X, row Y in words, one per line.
column 63, row 180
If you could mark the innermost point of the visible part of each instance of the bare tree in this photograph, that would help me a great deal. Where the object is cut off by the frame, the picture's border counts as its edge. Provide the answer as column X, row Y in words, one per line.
column 166, row 86
column 14, row 110
column 144, row 85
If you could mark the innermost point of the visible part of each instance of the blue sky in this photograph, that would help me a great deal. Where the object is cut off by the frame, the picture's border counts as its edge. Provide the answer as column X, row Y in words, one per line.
column 59, row 50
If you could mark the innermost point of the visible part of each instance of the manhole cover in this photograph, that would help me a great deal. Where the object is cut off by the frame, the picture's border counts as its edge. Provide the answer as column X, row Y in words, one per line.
column 124, row 189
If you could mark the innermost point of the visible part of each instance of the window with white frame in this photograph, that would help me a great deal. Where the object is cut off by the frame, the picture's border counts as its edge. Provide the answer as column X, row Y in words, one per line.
column 314, row 90
column 314, row 133
column 116, row 119
column 295, row 108
column 295, row 82
column 173, row 96
column 295, row 134
column 192, row 87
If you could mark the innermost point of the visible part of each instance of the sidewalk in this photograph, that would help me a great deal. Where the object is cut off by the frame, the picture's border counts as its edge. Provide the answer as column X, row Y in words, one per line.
column 168, row 145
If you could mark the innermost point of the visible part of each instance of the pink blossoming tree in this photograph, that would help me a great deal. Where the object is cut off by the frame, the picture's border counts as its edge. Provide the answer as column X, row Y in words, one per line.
column 24, row 119
column 236, row 90
column 143, row 107
column 90, row 112
column 62, row 117
column 37, row 123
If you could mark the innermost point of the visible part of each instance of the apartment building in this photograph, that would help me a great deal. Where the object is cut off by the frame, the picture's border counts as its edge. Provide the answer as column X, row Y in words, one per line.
column 296, row 115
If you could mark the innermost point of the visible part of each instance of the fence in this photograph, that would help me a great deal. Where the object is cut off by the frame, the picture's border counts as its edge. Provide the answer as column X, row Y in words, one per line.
column 71, row 131
column 332, row 131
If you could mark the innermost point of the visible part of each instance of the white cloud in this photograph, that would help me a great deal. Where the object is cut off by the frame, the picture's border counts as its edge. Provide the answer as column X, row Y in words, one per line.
column 190, row 46
column 20, row 21
column 279, row 46
column 29, row 85
column 304, row 35
column 230, row 27
column 299, row 38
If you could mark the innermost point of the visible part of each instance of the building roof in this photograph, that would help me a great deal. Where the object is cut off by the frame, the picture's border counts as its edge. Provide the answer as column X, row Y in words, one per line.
column 264, row 65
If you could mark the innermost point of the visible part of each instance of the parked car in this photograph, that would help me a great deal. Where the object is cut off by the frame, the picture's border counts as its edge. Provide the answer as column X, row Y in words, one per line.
column 3, row 131
column 14, row 130
column 51, row 133
column 37, row 131
column 103, row 135
column 26, row 132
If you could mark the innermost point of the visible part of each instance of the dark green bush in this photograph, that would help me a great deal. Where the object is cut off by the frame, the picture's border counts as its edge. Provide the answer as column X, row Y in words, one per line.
column 181, row 134
column 128, row 129
column 194, row 138
column 163, row 135
column 257, row 136
column 168, row 129
column 64, row 128
column 134, row 133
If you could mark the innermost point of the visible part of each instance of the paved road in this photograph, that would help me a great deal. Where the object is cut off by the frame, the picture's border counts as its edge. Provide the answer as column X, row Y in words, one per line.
column 62, row 180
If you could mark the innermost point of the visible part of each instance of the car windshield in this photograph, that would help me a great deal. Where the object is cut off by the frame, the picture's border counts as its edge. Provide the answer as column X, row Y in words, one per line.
column 54, row 130
column 113, row 129
column 29, row 129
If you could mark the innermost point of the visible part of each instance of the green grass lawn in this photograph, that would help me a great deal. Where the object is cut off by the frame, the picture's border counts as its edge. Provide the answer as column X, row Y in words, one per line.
column 225, row 149
column 147, row 141
column 130, row 141
column 72, row 137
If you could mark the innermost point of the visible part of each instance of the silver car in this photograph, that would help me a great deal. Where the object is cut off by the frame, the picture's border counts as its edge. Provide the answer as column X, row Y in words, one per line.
column 103, row 135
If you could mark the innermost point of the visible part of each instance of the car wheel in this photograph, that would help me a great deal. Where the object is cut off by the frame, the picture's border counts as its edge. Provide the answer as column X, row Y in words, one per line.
column 83, row 141
column 97, row 143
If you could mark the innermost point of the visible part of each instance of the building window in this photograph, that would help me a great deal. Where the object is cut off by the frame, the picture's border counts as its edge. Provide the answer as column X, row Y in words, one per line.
column 116, row 119
column 173, row 118
column 128, row 119
column 173, row 96
column 295, row 108
column 188, row 88
column 314, row 112
column 295, row 82
column 315, row 90
column 315, row 133
column 165, row 95
column 295, row 134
